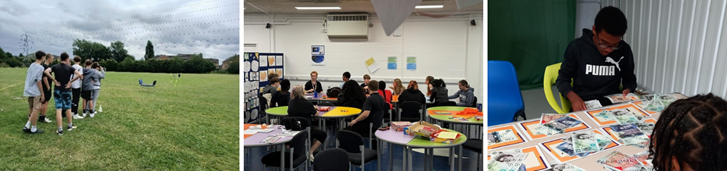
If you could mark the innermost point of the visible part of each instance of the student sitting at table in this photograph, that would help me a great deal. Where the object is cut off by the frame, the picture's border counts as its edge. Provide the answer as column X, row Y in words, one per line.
column 397, row 87
column 272, row 87
column 300, row 107
column 282, row 97
column 313, row 84
column 691, row 134
column 386, row 94
column 439, row 92
column 412, row 93
column 366, row 78
column 428, row 85
column 466, row 94
column 374, row 105
column 352, row 97
column 345, row 78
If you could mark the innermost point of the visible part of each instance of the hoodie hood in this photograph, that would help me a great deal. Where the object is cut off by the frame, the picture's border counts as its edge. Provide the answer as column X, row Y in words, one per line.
column 587, row 37
column 469, row 90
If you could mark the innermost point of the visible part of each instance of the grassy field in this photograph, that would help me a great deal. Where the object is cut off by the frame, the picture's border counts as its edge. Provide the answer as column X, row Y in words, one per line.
column 191, row 126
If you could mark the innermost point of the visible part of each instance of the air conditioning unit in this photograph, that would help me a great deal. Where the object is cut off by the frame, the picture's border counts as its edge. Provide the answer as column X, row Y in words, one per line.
column 348, row 26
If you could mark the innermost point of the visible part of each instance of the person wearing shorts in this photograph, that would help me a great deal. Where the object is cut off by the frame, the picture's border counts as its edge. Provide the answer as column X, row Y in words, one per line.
column 33, row 90
column 62, row 93
column 87, row 90
column 47, row 91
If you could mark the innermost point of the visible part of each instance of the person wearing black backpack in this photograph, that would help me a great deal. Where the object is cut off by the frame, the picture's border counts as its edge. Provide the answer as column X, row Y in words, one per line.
column 300, row 107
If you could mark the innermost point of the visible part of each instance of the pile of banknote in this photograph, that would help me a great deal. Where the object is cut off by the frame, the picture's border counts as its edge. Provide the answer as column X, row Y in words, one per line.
column 618, row 161
column 507, row 161
column 622, row 116
column 658, row 102
column 637, row 135
column 552, row 124
column 584, row 143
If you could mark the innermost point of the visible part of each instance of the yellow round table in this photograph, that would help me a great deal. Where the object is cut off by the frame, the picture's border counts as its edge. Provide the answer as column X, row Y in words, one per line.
column 335, row 112
column 338, row 113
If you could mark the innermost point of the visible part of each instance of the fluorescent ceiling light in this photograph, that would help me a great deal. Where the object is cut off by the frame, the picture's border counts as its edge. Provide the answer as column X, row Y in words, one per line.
column 428, row 6
column 318, row 8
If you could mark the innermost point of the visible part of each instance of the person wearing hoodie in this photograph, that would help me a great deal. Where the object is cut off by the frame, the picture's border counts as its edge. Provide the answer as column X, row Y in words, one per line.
column 598, row 62
column 466, row 94
column 273, row 84
column 89, row 75
column 412, row 93
column 97, row 83
column 439, row 92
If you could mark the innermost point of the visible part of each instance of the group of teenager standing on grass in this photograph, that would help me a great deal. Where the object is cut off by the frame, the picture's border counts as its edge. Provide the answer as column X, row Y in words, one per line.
column 72, row 82
column 371, row 97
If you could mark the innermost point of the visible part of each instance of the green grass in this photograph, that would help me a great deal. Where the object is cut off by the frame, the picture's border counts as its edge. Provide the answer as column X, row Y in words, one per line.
column 191, row 126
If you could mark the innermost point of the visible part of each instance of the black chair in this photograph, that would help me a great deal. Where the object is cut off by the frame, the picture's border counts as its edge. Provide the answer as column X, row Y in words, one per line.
column 410, row 111
column 332, row 160
column 476, row 146
column 447, row 103
column 263, row 107
column 352, row 142
column 297, row 155
column 376, row 122
column 474, row 103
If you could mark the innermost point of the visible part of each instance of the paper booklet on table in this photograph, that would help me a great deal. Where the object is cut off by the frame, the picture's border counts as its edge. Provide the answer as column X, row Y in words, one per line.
column 535, row 159
column 504, row 136
column 534, row 130
column 618, row 114
column 562, row 150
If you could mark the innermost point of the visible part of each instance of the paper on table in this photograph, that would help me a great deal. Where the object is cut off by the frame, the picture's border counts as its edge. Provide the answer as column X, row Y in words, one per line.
column 251, row 131
column 447, row 135
column 534, row 161
column 266, row 130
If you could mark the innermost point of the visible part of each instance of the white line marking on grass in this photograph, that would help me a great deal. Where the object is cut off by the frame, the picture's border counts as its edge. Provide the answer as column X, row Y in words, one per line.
column 1, row 89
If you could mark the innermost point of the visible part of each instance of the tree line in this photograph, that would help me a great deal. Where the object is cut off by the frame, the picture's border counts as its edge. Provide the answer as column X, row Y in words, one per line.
column 116, row 58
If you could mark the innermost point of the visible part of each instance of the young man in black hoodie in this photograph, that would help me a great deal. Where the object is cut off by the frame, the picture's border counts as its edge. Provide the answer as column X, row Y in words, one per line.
column 598, row 62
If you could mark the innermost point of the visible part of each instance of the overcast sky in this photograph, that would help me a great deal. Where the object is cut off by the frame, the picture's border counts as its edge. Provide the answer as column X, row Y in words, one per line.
column 173, row 26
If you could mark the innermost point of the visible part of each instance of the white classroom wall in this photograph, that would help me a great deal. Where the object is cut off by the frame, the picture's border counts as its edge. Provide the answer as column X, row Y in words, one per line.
column 677, row 45
column 448, row 48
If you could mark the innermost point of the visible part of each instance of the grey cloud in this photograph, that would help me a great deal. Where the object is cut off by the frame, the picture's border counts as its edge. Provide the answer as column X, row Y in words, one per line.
column 174, row 27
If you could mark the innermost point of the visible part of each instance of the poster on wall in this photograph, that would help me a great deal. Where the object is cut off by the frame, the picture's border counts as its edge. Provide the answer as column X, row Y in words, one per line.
column 271, row 60
column 372, row 65
column 318, row 60
column 411, row 63
column 392, row 63
column 318, row 50
column 263, row 61
column 318, row 53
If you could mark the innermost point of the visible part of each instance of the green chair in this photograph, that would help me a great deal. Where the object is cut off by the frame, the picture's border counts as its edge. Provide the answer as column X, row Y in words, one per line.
column 551, row 74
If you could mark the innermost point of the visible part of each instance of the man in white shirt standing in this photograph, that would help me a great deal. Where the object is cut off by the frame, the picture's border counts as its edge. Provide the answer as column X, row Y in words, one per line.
column 76, row 87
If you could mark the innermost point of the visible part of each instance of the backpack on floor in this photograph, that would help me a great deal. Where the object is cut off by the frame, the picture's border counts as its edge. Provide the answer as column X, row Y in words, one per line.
column 333, row 92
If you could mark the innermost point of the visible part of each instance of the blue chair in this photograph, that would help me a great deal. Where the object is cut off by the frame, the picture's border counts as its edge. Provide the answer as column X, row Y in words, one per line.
column 504, row 100
column 141, row 83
